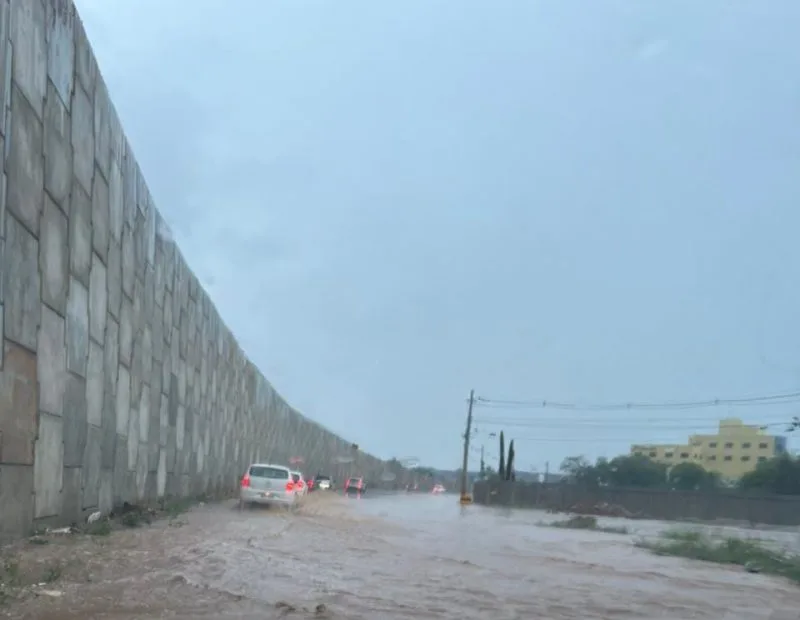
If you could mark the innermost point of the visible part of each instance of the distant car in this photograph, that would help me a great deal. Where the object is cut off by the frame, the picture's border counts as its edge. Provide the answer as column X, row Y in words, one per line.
column 438, row 488
column 300, row 484
column 322, row 483
column 355, row 485
column 269, row 485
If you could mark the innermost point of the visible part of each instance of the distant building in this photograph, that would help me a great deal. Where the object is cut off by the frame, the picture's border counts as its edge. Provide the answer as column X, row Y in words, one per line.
column 734, row 451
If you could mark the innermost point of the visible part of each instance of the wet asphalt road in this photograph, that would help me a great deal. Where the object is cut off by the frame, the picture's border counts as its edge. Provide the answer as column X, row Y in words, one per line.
column 385, row 558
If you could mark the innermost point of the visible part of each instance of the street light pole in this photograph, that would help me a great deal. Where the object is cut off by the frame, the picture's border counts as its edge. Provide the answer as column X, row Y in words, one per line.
column 465, row 497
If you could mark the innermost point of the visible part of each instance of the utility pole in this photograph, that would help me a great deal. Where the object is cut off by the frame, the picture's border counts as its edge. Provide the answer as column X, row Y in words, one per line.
column 465, row 498
column 547, row 472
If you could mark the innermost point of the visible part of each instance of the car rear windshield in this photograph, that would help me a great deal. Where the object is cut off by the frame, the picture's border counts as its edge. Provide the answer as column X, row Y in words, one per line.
column 296, row 477
column 321, row 478
column 259, row 471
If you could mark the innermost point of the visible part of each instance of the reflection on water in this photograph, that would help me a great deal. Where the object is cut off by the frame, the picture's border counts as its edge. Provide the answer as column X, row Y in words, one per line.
column 392, row 557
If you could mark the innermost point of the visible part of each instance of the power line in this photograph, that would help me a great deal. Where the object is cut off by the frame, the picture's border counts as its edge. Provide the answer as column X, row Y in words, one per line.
column 662, row 425
column 788, row 397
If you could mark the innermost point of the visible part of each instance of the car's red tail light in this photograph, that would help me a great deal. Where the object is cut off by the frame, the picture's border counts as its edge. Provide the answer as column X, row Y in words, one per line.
column 246, row 481
column 289, row 487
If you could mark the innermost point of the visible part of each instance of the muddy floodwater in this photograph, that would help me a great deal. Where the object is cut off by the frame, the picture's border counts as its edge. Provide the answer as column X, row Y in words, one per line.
column 385, row 558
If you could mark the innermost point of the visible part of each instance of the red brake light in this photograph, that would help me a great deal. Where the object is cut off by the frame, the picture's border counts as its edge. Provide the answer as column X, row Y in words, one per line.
column 246, row 481
column 289, row 486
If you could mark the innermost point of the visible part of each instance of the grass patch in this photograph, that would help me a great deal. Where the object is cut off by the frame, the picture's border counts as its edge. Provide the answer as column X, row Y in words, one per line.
column 585, row 522
column 750, row 554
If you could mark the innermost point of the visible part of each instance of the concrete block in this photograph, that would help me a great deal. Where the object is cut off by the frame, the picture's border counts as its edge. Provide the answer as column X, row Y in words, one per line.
column 83, row 137
column 52, row 362
column 172, row 451
column 48, row 469
column 120, row 469
column 149, row 299
column 141, row 471
column 98, row 300
column 6, row 56
column 144, row 413
column 126, row 332
column 18, row 405
column 152, row 460
column 75, row 421
column 133, row 437
column 118, row 144
column 123, row 401
column 100, row 215
column 25, row 163
column 161, row 473
column 109, row 428
column 80, row 235
column 60, row 35
column 139, row 246
column 92, row 460
column 180, row 427
column 128, row 262
column 16, row 501
column 163, row 420
column 115, row 202
column 77, row 327
column 28, row 20
column 114, row 278
column 85, row 64
column 102, row 126
column 146, row 352
column 2, row 258
column 54, row 257
column 130, row 184
column 21, row 284
column 71, row 492
column 111, row 356
column 95, row 384
column 106, row 495
column 57, row 149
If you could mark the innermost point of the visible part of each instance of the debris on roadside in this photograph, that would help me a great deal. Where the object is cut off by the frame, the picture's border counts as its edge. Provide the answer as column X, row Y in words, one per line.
column 95, row 516
column 602, row 509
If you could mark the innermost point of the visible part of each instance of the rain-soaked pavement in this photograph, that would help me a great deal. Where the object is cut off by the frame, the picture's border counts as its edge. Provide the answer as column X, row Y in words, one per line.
column 386, row 558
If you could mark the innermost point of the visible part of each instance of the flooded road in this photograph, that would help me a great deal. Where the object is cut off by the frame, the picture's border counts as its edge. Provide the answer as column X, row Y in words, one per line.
column 390, row 557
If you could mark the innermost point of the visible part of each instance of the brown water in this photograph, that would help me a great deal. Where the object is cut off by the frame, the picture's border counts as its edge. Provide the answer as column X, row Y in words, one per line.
column 387, row 558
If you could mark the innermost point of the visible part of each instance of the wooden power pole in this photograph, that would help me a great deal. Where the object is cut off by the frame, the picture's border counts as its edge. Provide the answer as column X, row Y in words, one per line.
column 465, row 496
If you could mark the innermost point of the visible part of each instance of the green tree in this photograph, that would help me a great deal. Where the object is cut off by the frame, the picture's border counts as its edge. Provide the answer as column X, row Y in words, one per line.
column 579, row 469
column 424, row 471
column 502, row 466
column 777, row 475
column 692, row 477
column 636, row 471
column 628, row 471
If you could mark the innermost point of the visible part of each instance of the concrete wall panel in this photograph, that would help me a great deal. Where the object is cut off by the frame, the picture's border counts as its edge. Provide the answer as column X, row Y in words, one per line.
column 54, row 257
column 52, row 362
column 48, row 468
column 120, row 381
column 18, row 405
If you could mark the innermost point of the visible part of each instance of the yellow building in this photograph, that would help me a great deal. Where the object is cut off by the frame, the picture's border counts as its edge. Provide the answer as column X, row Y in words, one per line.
column 735, row 450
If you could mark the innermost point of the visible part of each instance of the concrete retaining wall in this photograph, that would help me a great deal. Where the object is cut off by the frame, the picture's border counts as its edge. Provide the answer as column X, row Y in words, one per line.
column 118, row 379
column 652, row 503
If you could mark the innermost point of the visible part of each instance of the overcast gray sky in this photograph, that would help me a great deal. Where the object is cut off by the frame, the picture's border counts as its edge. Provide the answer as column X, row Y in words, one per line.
column 394, row 202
